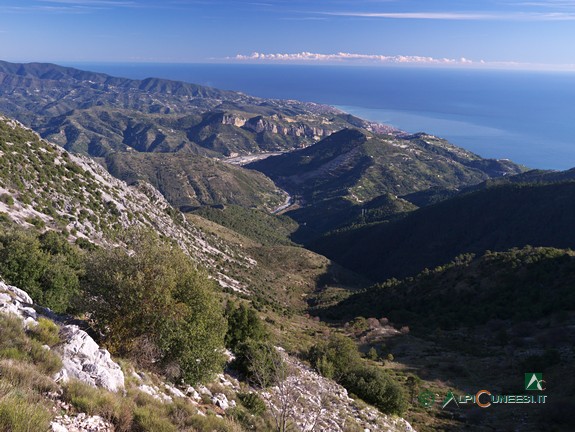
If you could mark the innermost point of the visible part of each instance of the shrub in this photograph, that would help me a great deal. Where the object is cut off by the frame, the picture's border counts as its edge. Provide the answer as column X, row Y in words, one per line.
column 25, row 376
column 372, row 354
column 243, row 324
column 97, row 401
column 7, row 199
column 14, row 344
column 47, row 360
column 260, row 363
column 334, row 357
column 158, row 298
column 253, row 403
column 149, row 420
column 374, row 386
column 46, row 271
column 181, row 413
column 339, row 358
column 213, row 424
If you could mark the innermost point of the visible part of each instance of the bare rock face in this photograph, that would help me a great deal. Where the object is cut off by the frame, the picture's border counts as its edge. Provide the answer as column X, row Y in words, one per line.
column 17, row 302
column 81, row 356
column 84, row 360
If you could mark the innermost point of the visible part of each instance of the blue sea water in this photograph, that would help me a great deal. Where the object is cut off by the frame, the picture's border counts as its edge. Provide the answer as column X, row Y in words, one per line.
column 525, row 116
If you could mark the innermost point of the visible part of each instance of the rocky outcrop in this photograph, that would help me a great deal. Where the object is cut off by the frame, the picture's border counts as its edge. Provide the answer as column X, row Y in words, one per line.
column 17, row 302
column 83, row 195
column 234, row 120
column 82, row 358
column 293, row 129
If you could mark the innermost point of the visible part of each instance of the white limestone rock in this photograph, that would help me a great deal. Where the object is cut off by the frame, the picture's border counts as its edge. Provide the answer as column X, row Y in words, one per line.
column 84, row 360
column 155, row 393
column 17, row 302
column 220, row 400
column 174, row 391
column 80, row 423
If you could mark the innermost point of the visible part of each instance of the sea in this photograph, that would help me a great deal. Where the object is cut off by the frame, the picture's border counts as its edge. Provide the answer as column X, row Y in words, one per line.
column 525, row 116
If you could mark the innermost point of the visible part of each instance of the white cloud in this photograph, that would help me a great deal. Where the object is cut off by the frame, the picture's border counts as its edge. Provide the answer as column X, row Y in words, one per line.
column 347, row 57
column 342, row 57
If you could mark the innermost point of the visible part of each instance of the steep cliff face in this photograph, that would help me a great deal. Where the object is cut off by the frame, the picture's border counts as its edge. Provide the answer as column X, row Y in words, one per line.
column 285, row 126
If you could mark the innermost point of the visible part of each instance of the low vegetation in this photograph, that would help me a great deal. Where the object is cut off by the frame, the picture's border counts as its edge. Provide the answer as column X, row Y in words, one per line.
column 255, row 224
column 25, row 370
column 338, row 358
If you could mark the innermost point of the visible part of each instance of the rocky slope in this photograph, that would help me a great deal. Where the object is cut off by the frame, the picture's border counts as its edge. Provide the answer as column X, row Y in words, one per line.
column 319, row 404
column 43, row 185
column 189, row 182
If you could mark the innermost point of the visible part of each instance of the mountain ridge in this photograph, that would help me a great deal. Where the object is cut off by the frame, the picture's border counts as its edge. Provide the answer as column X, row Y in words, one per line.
column 66, row 105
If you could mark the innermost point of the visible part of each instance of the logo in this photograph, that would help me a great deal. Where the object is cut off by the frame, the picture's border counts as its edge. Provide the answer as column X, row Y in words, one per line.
column 448, row 398
column 426, row 398
column 534, row 381
column 484, row 398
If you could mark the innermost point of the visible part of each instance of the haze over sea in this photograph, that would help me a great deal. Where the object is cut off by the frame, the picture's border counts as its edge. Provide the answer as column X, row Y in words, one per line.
column 525, row 116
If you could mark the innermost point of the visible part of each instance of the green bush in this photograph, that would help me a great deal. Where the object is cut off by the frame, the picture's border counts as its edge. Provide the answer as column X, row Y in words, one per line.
column 156, row 307
column 374, row 386
column 260, row 363
column 335, row 357
column 338, row 358
column 7, row 199
column 46, row 267
column 181, row 413
column 253, row 403
column 243, row 324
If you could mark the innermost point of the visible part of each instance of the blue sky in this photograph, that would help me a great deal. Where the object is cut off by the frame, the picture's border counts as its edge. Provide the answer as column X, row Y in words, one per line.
column 504, row 33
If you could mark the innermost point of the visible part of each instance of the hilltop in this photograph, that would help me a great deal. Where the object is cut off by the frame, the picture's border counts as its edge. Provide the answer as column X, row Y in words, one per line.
column 351, row 172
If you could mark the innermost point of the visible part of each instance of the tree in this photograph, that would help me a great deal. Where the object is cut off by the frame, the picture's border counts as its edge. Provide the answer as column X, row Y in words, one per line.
column 335, row 357
column 154, row 305
column 243, row 324
column 372, row 354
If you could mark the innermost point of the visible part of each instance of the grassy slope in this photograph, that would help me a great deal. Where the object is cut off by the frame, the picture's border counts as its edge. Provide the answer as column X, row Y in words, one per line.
column 188, row 180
